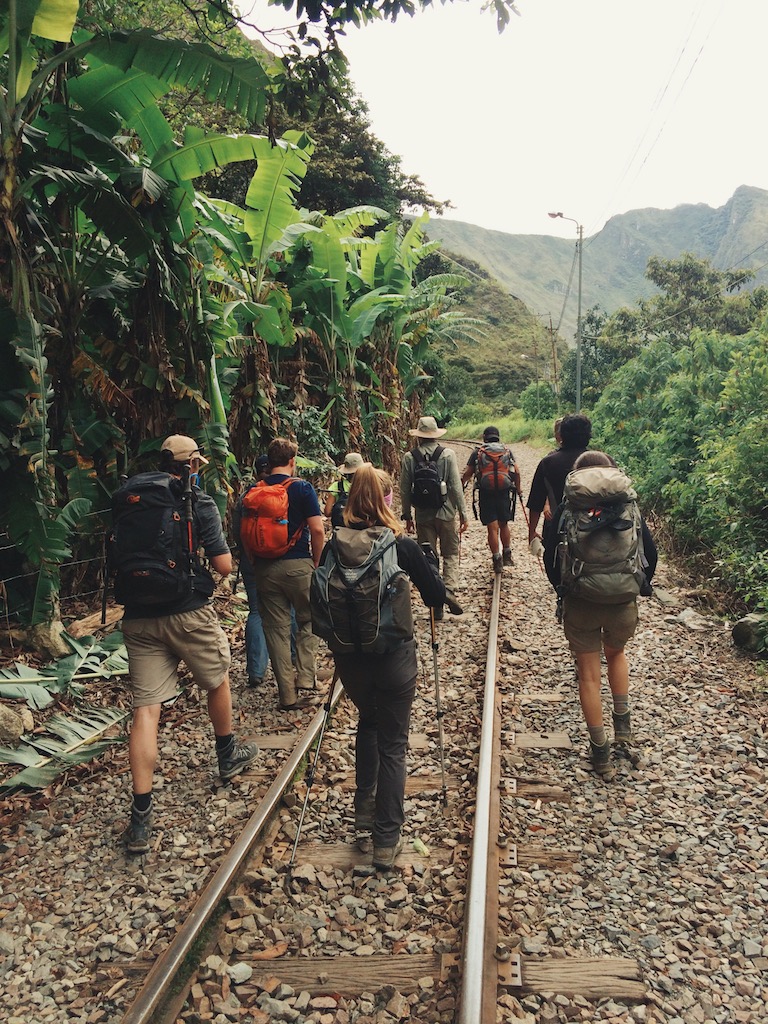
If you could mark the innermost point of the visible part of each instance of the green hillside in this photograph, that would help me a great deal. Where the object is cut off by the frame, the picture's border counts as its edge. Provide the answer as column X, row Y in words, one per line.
column 536, row 268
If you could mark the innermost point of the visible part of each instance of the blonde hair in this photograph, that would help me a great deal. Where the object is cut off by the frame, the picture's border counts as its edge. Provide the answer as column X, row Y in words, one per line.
column 365, row 503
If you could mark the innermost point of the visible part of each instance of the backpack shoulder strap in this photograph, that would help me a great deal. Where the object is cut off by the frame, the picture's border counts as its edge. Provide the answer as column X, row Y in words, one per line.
column 418, row 456
column 437, row 453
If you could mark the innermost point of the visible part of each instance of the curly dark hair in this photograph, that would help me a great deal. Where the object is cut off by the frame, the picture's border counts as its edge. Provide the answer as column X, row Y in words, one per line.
column 575, row 430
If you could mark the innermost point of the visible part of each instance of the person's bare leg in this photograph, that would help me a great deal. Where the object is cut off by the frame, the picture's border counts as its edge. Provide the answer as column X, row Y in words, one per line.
column 142, row 746
column 493, row 537
column 220, row 708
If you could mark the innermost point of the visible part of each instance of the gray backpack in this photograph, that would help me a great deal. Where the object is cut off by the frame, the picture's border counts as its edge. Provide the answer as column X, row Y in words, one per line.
column 600, row 539
column 360, row 598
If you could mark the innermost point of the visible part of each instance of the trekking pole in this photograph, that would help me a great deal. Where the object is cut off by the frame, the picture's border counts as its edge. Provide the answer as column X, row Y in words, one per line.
column 438, row 708
column 187, row 481
column 311, row 777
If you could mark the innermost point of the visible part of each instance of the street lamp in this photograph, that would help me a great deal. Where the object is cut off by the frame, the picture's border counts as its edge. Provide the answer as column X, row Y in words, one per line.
column 580, row 245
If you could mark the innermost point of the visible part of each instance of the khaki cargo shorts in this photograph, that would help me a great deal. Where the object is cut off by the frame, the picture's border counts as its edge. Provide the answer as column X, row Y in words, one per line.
column 156, row 646
column 588, row 625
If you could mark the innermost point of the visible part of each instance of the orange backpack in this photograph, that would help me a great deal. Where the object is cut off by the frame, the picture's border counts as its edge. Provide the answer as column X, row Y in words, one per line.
column 264, row 520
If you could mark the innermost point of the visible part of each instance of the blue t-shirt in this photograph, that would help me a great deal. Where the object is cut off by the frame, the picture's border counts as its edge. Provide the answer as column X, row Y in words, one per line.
column 302, row 504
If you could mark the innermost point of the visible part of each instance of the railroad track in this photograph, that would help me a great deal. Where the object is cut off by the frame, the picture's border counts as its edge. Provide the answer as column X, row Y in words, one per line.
column 267, row 943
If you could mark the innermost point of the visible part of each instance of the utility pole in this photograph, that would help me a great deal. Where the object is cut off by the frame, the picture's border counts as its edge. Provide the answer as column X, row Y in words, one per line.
column 580, row 245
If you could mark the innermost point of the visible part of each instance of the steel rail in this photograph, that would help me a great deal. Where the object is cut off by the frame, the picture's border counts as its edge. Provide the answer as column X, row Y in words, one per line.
column 473, row 979
column 171, row 959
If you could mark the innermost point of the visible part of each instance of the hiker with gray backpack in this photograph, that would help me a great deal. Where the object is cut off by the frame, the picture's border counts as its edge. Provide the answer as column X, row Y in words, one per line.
column 361, row 606
column 600, row 557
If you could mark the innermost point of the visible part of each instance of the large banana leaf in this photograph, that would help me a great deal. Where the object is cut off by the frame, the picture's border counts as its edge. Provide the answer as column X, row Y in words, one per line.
column 202, row 153
column 133, row 94
column 53, row 19
column 73, row 741
column 270, row 197
column 238, row 83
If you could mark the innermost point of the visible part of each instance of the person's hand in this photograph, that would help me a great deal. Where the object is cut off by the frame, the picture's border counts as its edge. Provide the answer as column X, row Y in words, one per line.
column 409, row 527
column 536, row 548
column 463, row 526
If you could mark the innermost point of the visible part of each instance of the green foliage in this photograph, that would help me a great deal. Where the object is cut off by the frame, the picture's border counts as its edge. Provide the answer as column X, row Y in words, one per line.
column 538, row 401
column 687, row 420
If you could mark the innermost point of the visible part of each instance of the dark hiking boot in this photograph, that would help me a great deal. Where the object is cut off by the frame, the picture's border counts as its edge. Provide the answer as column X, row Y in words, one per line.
column 254, row 682
column 506, row 557
column 622, row 728
column 453, row 605
column 236, row 758
column 498, row 563
column 384, row 856
column 136, row 836
column 600, row 757
column 439, row 612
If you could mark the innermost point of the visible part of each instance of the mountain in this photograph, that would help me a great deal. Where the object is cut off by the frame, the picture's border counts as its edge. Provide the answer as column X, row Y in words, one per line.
column 536, row 268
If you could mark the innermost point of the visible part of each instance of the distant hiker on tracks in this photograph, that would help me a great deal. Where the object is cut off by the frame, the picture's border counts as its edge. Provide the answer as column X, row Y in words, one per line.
column 497, row 483
column 430, row 484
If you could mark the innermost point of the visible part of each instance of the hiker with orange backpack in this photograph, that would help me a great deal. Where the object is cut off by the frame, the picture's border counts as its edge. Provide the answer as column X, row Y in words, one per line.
column 281, row 533
column 497, row 482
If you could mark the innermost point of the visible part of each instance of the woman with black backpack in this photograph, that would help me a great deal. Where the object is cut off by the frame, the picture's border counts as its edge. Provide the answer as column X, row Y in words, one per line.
column 382, row 685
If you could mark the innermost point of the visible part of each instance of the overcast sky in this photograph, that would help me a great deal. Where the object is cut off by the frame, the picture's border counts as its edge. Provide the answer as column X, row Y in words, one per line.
column 590, row 107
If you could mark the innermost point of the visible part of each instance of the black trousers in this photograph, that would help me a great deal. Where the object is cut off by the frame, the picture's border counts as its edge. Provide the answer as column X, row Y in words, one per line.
column 382, row 687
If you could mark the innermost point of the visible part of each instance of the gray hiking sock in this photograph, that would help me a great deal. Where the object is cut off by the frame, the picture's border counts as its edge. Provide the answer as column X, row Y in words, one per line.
column 597, row 735
column 620, row 703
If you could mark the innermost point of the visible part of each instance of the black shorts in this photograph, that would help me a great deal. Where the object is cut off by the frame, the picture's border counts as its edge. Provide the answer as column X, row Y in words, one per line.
column 496, row 507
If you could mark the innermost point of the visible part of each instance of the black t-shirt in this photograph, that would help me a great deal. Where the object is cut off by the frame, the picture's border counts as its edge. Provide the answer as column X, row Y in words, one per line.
column 549, row 479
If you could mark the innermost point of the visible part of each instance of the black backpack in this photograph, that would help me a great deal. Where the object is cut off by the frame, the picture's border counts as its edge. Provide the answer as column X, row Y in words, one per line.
column 337, row 509
column 148, row 548
column 359, row 596
column 428, row 489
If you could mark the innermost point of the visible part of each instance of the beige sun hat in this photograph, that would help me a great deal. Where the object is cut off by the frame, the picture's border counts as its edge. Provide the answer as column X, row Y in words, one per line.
column 428, row 428
column 183, row 448
column 352, row 462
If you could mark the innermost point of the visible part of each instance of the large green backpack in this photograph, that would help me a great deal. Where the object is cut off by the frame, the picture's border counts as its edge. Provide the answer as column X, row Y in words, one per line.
column 600, row 538
column 360, row 597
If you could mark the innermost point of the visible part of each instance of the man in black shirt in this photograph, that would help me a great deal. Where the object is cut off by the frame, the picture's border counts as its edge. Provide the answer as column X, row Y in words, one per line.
column 549, row 479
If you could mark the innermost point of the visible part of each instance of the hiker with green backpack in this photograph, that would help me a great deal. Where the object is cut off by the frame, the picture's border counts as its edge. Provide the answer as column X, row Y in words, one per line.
column 497, row 483
column 600, row 557
column 361, row 606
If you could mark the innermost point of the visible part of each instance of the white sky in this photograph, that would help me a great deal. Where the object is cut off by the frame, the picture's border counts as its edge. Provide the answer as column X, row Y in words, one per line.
column 590, row 107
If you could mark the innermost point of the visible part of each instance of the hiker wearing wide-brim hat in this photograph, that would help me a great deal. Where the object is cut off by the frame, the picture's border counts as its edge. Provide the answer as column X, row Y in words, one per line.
column 427, row 428
column 339, row 489
column 430, row 489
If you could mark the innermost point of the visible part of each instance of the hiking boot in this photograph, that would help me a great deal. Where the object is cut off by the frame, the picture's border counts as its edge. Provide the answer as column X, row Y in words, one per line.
column 453, row 605
column 439, row 612
column 601, row 757
column 498, row 563
column 506, row 557
column 136, row 836
column 622, row 729
column 384, row 856
column 236, row 758
column 255, row 681
column 298, row 704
